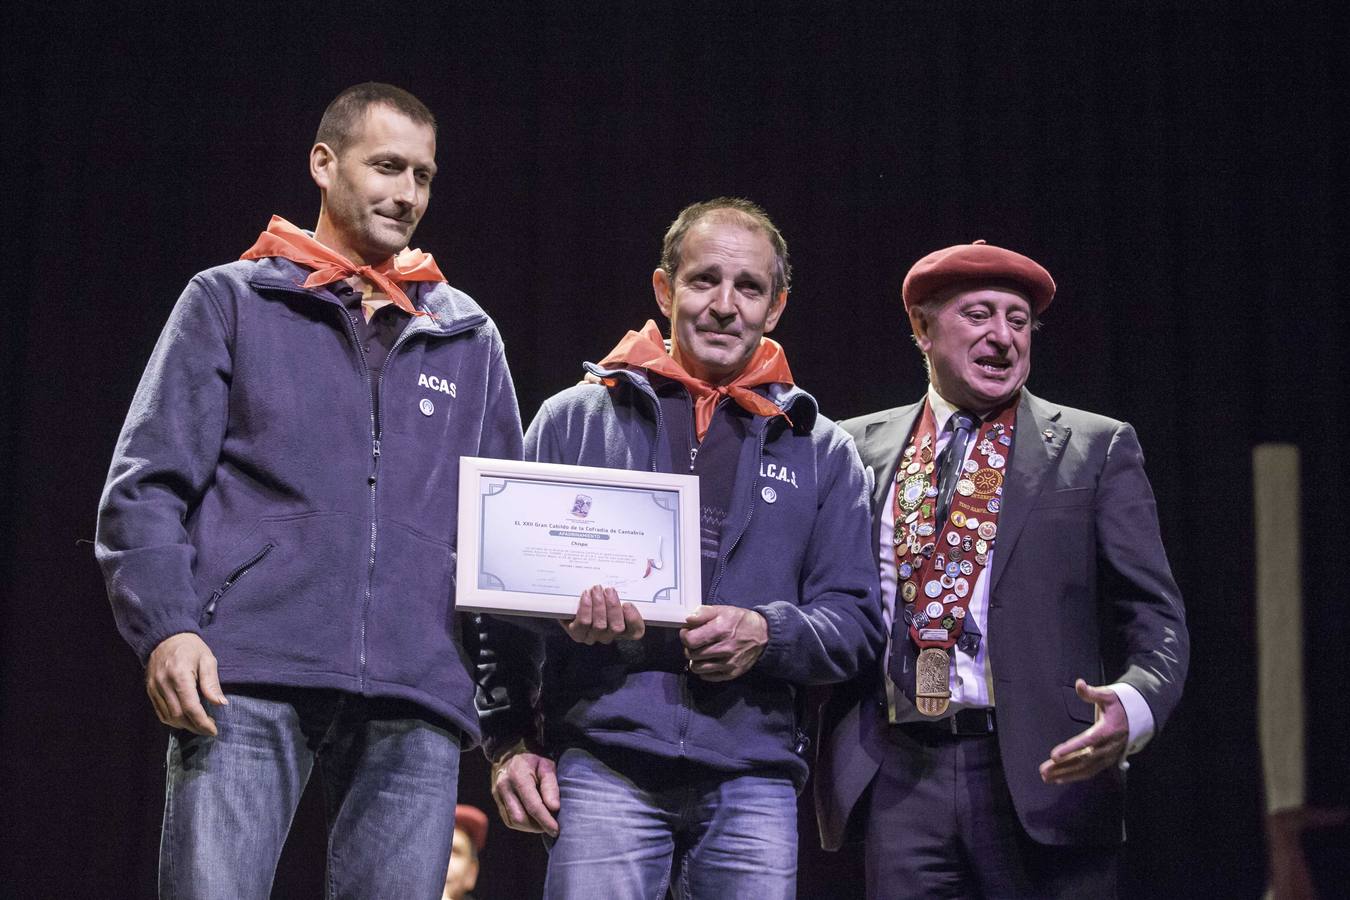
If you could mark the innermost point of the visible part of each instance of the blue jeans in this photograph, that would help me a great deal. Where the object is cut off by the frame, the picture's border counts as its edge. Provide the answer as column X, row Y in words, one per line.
column 661, row 824
column 389, row 775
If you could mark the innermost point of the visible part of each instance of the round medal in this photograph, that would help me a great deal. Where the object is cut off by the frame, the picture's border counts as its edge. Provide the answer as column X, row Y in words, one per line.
column 985, row 482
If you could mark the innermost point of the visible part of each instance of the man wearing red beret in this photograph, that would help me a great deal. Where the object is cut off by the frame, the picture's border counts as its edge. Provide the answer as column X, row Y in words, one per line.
column 471, row 827
column 1015, row 537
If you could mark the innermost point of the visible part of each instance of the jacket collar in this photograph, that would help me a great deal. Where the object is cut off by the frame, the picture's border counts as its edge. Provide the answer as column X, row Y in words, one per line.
column 800, row 406
column 880, row 448
column 449, row 311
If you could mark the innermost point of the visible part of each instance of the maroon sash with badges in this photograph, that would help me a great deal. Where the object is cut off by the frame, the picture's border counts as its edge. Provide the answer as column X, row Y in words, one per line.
column 938, row 564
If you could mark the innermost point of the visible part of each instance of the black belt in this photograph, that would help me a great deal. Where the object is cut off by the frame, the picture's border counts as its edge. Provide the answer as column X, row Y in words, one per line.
column 964, row 723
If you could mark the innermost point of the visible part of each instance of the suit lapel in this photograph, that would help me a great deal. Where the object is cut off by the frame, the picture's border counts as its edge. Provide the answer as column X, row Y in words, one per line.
column 1038, row 444
column 880, row 450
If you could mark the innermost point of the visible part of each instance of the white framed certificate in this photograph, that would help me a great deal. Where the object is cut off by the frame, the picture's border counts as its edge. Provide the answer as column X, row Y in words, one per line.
column 533, row 536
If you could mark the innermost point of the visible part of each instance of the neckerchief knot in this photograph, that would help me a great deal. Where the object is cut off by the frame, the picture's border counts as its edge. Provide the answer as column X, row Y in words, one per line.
column 282, row 239
column 646, row 349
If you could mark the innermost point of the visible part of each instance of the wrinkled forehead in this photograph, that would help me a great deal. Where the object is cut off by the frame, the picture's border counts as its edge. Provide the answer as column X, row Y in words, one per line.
column 724, row 217
column 1006, row 295
column 732, row 230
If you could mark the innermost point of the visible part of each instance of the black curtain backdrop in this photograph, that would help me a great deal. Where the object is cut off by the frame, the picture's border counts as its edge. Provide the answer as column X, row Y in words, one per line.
column 1180, row 169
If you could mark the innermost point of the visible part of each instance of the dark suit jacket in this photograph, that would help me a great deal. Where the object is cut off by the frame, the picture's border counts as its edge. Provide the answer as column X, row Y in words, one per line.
column 1078, row 568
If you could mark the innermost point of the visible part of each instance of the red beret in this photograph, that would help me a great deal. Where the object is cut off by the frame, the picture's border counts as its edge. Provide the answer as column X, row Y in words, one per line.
column 979, row 263
column 473, row 822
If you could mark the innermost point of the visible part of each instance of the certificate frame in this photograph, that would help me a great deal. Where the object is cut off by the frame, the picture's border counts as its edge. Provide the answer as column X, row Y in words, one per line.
column 527, row 551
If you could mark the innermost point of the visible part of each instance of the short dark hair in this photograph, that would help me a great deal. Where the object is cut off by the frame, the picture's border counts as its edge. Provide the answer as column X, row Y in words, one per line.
column 742, row 210
column 349, row 107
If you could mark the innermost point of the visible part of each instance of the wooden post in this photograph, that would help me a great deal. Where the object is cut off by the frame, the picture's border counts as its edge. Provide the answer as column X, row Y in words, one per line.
column 1279, row 623
column 1280, row 697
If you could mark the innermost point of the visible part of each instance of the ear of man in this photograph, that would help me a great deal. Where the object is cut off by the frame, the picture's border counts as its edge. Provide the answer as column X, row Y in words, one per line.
column 663, row 289
column 322, row 160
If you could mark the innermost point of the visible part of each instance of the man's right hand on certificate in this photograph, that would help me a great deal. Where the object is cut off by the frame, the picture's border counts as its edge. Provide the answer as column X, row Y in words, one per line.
column 601, row 618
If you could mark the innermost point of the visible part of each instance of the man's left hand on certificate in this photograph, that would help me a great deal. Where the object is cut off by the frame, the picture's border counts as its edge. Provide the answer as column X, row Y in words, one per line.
column 601, row 618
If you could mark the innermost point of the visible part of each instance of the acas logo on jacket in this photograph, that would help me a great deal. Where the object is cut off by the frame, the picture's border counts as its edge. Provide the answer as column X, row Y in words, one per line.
column 436, row 383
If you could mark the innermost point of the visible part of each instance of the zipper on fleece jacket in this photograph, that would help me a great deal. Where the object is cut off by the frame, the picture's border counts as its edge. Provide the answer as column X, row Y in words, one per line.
column 210, row 611
column 373, row 479
column 749, row 514
column 687, row 708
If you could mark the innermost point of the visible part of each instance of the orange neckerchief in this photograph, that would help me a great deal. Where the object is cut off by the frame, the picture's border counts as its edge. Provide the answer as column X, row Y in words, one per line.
column 285, row 240
column 646, row 349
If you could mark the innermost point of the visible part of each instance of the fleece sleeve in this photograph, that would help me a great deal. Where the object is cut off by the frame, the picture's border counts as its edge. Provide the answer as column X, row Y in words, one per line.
column 165, row 459
column 835, row 630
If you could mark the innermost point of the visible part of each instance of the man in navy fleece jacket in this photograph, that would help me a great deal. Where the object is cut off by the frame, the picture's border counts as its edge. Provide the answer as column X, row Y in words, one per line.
column 678, row 753
column 278, row 528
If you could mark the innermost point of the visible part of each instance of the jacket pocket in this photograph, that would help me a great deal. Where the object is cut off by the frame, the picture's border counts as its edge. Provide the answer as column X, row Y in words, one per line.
column 209, row 611
column 410, row 622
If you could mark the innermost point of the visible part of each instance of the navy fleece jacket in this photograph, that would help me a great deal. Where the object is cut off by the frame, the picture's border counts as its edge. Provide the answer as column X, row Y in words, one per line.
column 255, row 500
